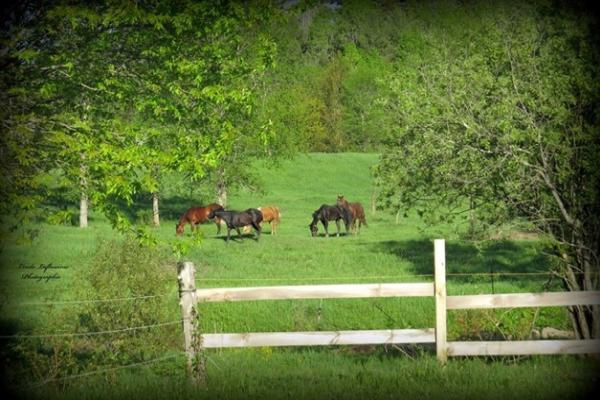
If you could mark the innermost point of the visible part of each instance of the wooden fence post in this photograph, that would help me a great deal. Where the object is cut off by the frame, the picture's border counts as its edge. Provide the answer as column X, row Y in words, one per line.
column 187, row 301
column 441, row 346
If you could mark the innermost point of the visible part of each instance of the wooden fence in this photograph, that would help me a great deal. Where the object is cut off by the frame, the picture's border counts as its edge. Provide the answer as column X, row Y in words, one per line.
column 190, row 297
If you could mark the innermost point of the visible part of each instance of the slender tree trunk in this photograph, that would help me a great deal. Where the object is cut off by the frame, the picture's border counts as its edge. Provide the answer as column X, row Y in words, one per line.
column 83, row 202
column 155, row 212
column 221, row 188
column 471, row 218
column 222, row 194
column 83, row 209
column 373, row 201
column 579, row 315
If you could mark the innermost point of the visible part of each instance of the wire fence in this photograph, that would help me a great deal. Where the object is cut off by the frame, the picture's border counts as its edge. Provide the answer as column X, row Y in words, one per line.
column 372, row 277
column 492, row 275
column 91, row 301
column 95, row 333
column 101, row 371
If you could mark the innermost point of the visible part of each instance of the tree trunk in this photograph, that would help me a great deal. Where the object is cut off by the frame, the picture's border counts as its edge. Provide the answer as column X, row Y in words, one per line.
column 373, row 201
column 155, row 213
column 83, row 202
column 221, row 188
column 584, row 318
column 222, row 194
column 472, row 226
column 83, row 209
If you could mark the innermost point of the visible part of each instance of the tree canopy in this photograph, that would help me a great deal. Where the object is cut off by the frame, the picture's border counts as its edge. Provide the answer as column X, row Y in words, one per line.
column 106, row 95
column 498, row 116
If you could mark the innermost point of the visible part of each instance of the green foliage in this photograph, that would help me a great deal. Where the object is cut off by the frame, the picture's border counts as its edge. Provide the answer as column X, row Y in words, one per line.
column 497, row 120
column 92, row 95
column 323, row 93
column 63, row 217
column 127, row 270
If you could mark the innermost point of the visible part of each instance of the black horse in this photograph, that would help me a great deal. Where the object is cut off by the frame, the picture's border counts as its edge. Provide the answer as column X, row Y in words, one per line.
column 236, row 220
column 328, row 213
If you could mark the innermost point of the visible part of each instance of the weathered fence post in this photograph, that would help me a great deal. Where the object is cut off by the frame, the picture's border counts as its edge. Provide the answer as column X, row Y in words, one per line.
column 440, row 300
column 187, row 300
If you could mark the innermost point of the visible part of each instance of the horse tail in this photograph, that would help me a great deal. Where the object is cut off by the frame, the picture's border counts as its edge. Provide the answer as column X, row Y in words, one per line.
column 277, row 214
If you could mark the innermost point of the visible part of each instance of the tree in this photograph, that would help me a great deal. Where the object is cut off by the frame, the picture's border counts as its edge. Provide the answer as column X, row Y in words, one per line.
column 111, row 94
column 498, row 115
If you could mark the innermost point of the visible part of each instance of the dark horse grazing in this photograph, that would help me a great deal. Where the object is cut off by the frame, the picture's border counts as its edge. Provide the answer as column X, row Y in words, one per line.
column 197, row 215
column 327, row 213
column 236, row 220
column 357, row 210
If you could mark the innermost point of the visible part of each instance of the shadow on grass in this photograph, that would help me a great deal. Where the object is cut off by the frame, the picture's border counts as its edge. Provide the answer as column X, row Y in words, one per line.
column 140, row 211
column 367, row 352
column 235, row 237
column 332, row 235
column 464, row 257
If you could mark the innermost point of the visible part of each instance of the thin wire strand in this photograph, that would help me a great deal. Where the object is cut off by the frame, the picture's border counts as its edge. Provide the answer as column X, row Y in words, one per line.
column 128, row 329
column 103, row 371
column 336, row 278
column 375, row 277
column 73, row 302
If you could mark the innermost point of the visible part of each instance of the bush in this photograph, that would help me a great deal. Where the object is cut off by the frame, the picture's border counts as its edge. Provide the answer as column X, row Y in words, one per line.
column 127, row 270
column 144, row 281
column 61, row 217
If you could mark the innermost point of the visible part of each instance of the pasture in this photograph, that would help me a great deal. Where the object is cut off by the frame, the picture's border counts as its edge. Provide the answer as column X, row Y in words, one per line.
column 383, row 252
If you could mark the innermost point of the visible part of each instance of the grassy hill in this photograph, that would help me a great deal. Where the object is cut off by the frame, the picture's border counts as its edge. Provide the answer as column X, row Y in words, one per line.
column 382, row 252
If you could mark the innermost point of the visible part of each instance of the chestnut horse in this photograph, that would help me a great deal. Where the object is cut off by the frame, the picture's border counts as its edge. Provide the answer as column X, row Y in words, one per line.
column 271, row 215
column 357, row 210
column 197, row 215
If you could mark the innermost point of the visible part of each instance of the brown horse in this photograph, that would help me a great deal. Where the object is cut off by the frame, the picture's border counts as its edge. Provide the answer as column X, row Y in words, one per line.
column 357, row 210
column 271, row 215
column 197, row 215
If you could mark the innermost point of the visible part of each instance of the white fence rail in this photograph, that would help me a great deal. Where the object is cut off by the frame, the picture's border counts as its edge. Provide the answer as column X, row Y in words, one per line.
column 316, row 292
column 388, row 336
column 190, row 297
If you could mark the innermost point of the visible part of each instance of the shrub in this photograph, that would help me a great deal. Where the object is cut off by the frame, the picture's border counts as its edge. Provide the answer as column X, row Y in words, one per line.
column 141, row 274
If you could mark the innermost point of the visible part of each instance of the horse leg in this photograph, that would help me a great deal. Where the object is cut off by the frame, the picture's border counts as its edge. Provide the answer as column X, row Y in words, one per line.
column 325, row 224
column 258, row 229
column 337, row 224
column 239, row 233
column 218, row 222
column 228, row 232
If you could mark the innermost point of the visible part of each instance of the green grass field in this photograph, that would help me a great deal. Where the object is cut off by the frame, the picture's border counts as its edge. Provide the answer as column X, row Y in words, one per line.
column 383, row 252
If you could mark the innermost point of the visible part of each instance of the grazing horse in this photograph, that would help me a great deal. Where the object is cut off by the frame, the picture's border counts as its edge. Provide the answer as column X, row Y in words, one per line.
column 236, row 220
column 197, row 215
column 327, row 213
column 357, row 210
column 271, row 215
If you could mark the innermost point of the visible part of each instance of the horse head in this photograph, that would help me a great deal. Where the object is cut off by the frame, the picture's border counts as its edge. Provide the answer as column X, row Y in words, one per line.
column 179, row 229
column 313, row 228
column 341, row 201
